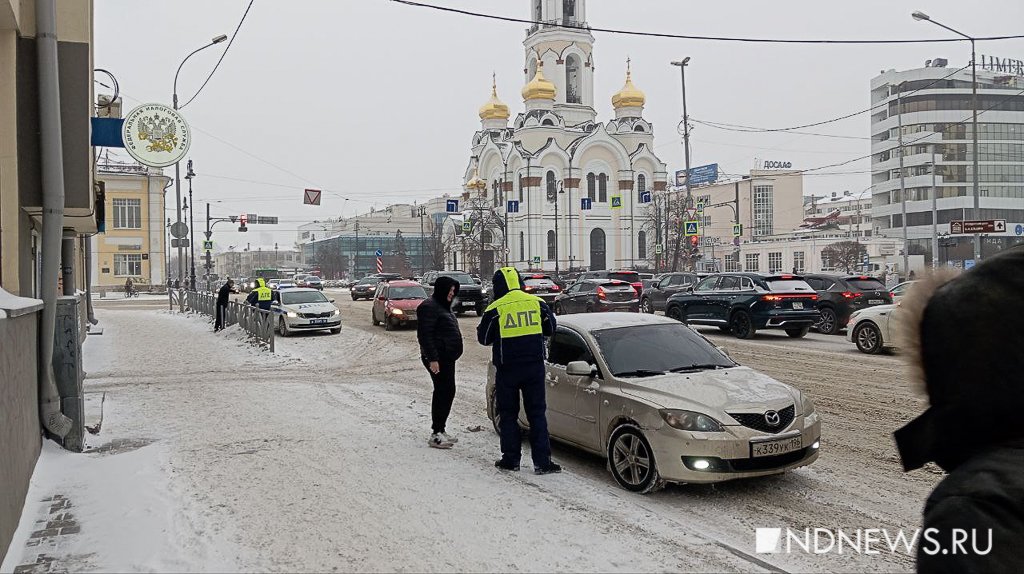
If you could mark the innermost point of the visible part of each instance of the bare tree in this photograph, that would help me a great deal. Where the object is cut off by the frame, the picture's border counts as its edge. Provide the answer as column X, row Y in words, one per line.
column 844, row 255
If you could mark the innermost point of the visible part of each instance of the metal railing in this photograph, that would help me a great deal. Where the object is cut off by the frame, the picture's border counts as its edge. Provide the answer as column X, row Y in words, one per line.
column 257, row 323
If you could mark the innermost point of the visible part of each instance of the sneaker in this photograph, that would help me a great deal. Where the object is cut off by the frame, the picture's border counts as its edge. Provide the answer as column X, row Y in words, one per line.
column 550, row 468
column 450, row 438
column 437, row 440
column 505, row 465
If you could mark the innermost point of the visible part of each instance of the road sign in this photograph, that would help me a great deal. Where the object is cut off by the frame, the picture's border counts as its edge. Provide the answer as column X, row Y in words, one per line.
column 586, row 203
column 179, row 229
column 700, row 207
column 179, row 242
column 266, row 220
column 691, row 213
column 968, row 264
column 691, row 228
column 467, row 226
column 208, row 245
column 737, row 229
column 699, row 175
column 311, row 196
column 645, row 197
column 960, row 227
column 512, row 207
column 658, row 249
column 1019, row 230
column 616, row 202
column 451, row 206
column 536, row 259
column 379, row 253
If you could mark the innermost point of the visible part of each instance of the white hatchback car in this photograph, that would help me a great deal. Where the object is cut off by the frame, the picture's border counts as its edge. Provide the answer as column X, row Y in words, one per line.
column 873, row 329
column 301, row 309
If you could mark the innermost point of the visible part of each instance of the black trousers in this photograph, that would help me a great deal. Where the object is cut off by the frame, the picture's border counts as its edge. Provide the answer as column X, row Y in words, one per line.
column 219, row 323
column 444, row 394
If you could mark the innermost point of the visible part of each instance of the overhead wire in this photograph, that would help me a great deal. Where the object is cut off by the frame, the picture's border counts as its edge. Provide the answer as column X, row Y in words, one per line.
column 222, row 54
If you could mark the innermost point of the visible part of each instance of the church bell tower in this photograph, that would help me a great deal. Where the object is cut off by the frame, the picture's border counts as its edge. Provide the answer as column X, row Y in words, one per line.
column 561, row 39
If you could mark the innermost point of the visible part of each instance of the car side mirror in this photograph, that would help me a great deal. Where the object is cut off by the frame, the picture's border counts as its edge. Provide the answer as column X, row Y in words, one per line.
column 275, row 302
column 689, row 288
column 330, row 300
column 725, row 351
column 580, row 369
column 478, row 282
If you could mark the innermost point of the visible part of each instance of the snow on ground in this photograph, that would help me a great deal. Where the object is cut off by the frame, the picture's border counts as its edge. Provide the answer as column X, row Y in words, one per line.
column 315, row 459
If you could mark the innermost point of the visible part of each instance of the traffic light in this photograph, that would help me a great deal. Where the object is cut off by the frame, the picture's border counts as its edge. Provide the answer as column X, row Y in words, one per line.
column 242, row 220
column 694, row 246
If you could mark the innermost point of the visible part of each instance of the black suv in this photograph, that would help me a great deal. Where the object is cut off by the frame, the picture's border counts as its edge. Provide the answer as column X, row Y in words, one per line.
column 839, row 296
column 745, row 302
column 664, row 286
column 597, row 295
column 627, row 275
column 471, row 295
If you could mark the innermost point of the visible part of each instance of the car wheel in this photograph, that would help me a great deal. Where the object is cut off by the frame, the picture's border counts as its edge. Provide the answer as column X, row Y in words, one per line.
column 492, row 410
column 389, row 324
column 354, row 298
column 675, row 312
column 557, row 309
column 283, row 328
column 336, row 331
column 645, row 306
column 829, row 322
column 590, row 308
column 868, row 338
column 742, row 326
column 798, row 333
column 631, row 460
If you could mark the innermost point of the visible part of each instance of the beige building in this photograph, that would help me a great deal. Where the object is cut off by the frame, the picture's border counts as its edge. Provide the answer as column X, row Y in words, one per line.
column 134, row 239
column 241, row 262
column 770, row 203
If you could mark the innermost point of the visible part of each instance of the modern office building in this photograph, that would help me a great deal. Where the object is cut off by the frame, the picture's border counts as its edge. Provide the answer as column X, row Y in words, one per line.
column 933, row 104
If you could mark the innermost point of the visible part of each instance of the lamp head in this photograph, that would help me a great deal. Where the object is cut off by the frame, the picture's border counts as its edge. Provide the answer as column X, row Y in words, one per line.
column 918, row 15
column 189, row 173
column 219, row 39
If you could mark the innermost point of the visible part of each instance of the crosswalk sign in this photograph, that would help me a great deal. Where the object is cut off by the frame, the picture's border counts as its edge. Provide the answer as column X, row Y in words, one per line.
column 691, row 228
column 208, row 245
column 737, row 229
column 467, row 226
column 616, row 202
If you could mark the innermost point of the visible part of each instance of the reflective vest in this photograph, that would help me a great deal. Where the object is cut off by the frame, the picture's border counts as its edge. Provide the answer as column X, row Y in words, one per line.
column 518, row 314
column 263, row 292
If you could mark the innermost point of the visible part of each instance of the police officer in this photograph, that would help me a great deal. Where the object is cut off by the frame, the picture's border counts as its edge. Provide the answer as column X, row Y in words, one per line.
column 260, row 295
column 515, row 326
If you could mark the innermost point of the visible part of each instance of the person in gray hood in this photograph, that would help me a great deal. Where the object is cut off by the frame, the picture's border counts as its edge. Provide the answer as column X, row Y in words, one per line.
column 965, row 339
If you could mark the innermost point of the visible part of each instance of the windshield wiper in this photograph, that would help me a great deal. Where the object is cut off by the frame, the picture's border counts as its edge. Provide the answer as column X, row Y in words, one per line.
column 639, row 373
column 696, row 367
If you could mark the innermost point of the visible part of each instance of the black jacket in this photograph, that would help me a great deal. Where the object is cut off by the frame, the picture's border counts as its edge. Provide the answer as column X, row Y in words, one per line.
column 437, row 328
column 224, row 295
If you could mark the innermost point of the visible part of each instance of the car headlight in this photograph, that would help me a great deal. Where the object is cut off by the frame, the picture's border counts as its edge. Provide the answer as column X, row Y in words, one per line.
column 292, row 314
column 337, row 312
column 806, row 404
column 690, row 421
column 397, row 312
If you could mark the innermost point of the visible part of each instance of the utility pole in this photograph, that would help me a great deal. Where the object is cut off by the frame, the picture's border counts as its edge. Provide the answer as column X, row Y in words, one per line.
column 422, row 211
column 686, row 155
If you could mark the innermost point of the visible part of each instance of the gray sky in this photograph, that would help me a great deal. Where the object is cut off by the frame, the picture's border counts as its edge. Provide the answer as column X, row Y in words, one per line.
column 377, row 102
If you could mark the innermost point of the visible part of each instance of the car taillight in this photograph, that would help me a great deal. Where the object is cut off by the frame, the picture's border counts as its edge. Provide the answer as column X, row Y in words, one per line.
column 771, row 297
column 556, row 288
column 638, row 287
column 527, row 288
column 851, row 294
column 601, row 294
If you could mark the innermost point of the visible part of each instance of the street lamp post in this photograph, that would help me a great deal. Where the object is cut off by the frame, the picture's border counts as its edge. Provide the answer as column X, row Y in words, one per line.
column 919, row 16
column 557, row 268
column 422, row 211
column 189, row 174
column 686, row 153
column 177, row 165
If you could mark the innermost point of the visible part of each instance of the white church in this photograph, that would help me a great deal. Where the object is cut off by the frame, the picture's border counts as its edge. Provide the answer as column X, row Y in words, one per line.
column 574, row 191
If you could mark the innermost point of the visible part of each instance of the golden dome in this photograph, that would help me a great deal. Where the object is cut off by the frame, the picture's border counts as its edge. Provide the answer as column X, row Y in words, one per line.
column 494, row 109
column 476, row 183
column 629, row 96
column 539, row 87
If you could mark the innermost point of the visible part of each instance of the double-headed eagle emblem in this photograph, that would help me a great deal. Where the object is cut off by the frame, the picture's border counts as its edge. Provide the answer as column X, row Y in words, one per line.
column 159, row 132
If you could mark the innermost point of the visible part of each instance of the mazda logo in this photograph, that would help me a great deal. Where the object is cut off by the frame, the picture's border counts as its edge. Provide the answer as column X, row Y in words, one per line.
column 772, row 418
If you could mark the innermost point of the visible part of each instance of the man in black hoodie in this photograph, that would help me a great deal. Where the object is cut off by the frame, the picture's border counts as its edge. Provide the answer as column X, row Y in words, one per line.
column 440, row 340
column 223, row 296
column 965, row 339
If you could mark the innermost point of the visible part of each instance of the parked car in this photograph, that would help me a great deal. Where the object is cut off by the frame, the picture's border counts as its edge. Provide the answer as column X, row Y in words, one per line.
column 284, row 284
column 900, row 290
column 313, row 282
column 471, row 295
column 395, row 303
column 873, row 329
column 364, row 288
column 655, row 297
column 743, row 303
column 243, row 284
column 542, row 286
column 840, row 295
column 597, row 295
column 631, row 277
column 663, row 404
column 301, row 309
column 300, row 279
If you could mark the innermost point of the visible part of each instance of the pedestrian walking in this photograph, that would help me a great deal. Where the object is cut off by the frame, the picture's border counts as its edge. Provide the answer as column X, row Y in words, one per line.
column 514, row 326
column 260, row 296
column 437, row 330
column 129, row 287
column 960, row 337
column 223, row 296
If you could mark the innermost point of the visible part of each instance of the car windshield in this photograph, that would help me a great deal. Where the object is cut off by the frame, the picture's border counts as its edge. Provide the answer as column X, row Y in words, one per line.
column 647, row 350
column 411, row 292
column 627, row 277
column 368, row 281
column 462, row 278
column 299, row 297
column 312, row 279
column 867, row 284
column 777, row 285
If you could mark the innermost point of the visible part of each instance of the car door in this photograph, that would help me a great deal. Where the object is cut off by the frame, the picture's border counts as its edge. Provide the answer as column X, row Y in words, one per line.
column 562, row 348
column 725, row 296
column 565, row 299
column 679, row 284
column 698, row 307
column 379, row 301
column 583, row 296
column 659, row 293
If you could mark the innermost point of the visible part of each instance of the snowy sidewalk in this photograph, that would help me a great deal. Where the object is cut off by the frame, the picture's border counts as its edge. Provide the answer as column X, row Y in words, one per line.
column 221, row 457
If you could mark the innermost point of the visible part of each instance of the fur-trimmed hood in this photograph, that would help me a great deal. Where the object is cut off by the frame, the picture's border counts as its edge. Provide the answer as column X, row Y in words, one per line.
column 963, row 336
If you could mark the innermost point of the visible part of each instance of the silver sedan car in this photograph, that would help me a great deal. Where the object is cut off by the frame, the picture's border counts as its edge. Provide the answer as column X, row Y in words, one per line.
column 663, row 404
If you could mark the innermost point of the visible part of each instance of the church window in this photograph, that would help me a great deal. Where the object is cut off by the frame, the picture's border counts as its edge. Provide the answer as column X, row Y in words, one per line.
column 521, row 200
column 538, row 10
column 639, row 129
column 592, row 186
column 551, row 186
column 572, row 80
column 569, row 9
column 641, row 245
column 522, row 246
column 547, row 122
column 602, row 188
column 641, row 184
column 552, row 246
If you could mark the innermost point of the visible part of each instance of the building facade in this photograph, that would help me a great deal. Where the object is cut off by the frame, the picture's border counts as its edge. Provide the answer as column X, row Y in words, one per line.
column 556, row 189
column 241, row 262
column 133, row 241
column 849, row 212
column 933, row 105
column 770, row 202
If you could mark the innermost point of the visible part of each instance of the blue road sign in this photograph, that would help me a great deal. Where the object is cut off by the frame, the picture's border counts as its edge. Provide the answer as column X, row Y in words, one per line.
column 452, row 206
column 692, row 228
column 586, row 203
column 699, row 175
column 1019, row 230
column 380, row 253
column 512, row 207
column 645, row 197
column 968, row 264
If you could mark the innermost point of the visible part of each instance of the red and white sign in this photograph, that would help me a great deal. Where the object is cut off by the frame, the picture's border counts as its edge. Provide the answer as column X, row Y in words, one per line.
column 380, row 265
column 312, row 196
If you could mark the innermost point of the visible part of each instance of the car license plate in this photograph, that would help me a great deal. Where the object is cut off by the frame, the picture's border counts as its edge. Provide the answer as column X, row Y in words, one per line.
column 317, row 321
column 798, row 305
column 876, row 301
column 775, row 447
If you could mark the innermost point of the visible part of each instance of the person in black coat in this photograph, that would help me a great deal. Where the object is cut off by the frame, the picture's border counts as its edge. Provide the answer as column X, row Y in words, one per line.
column 437, row 330
column 965, row 340
column 223, row 296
